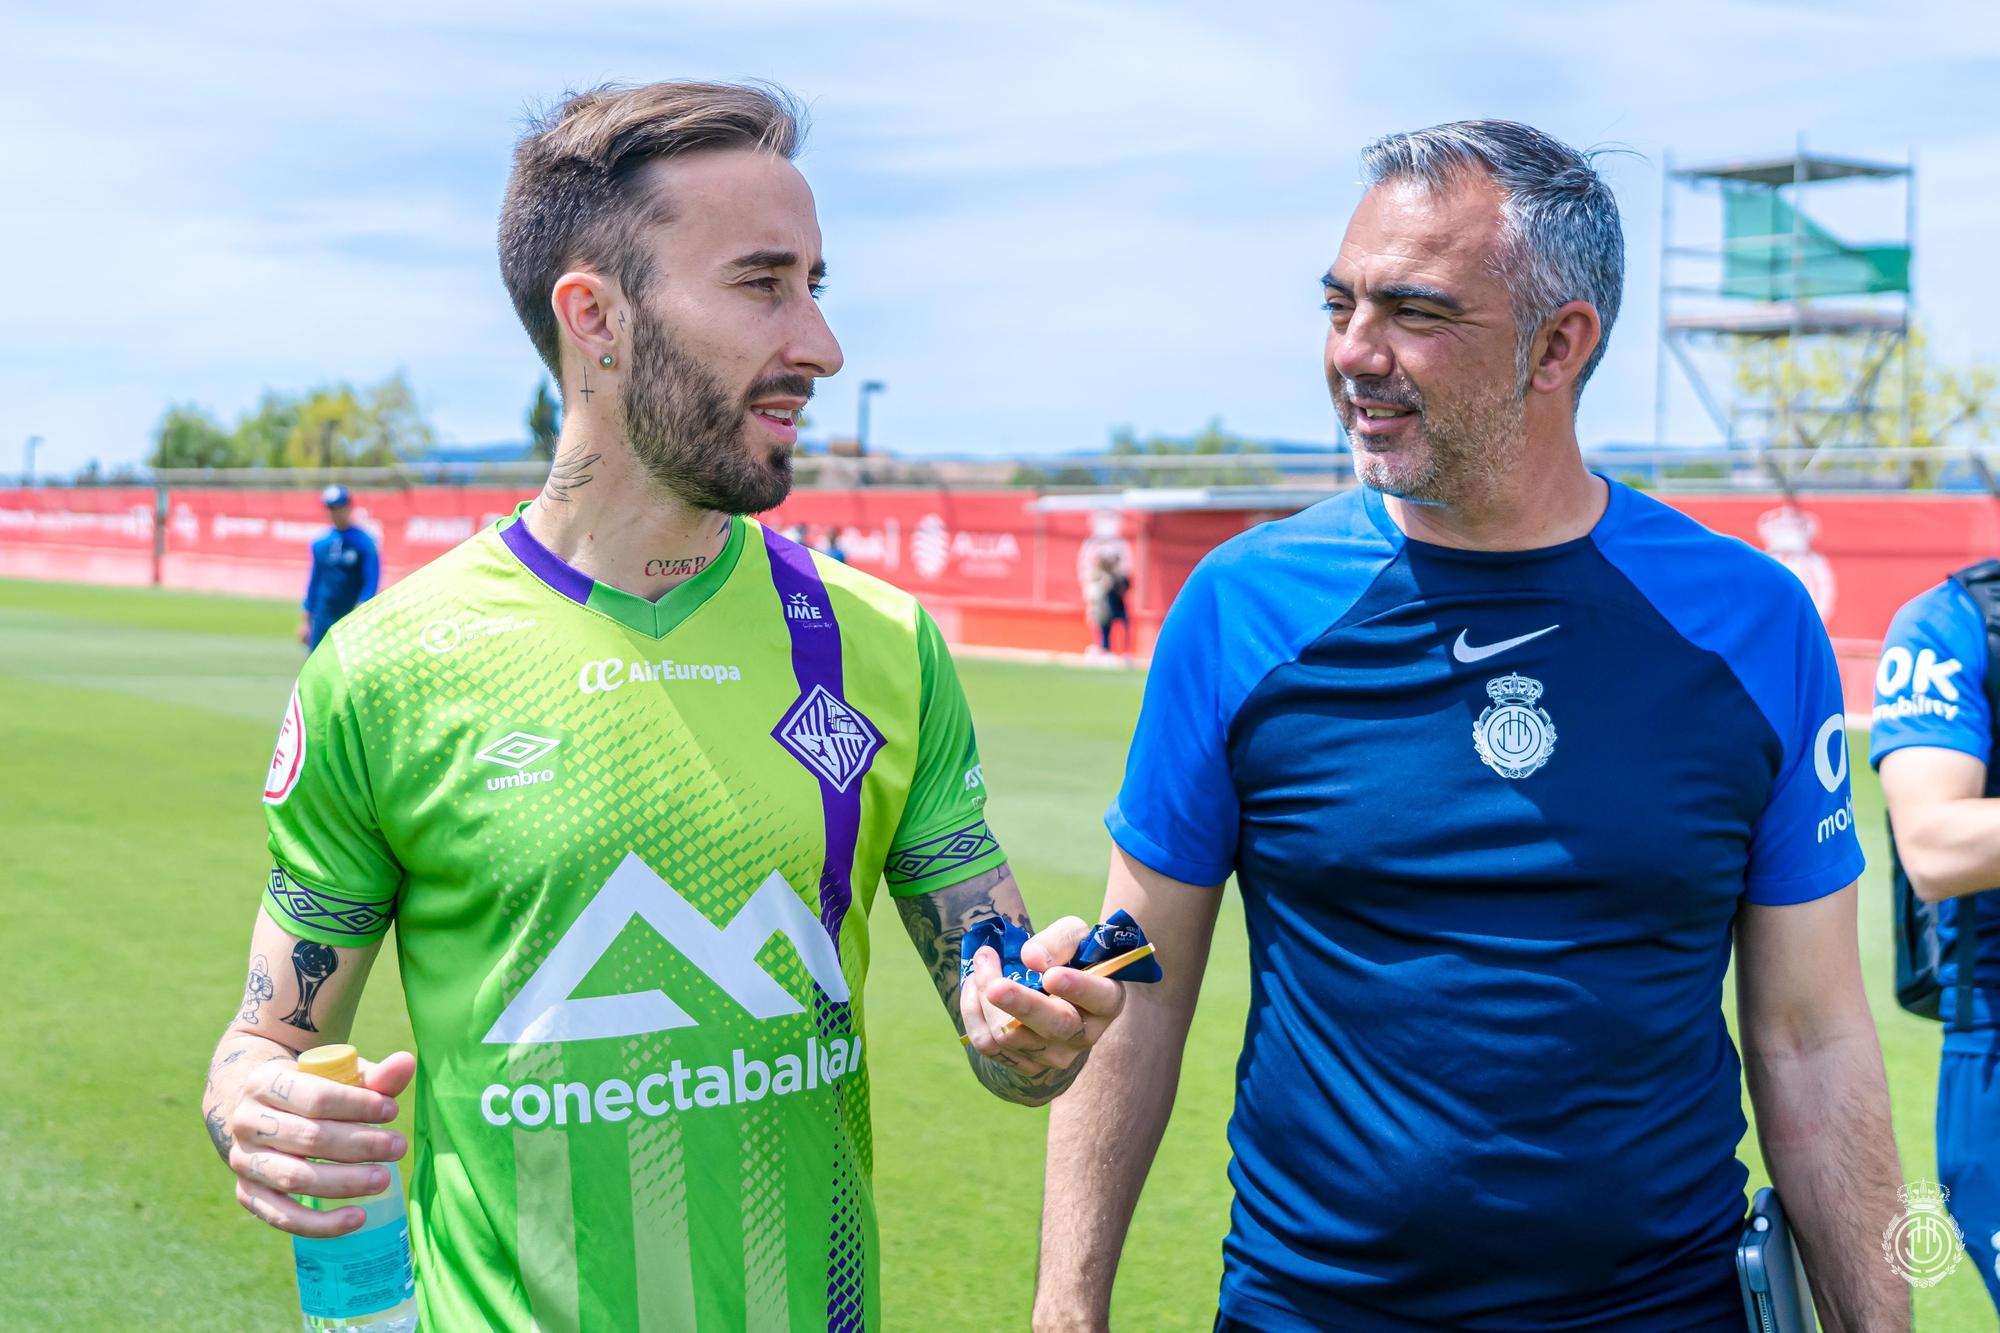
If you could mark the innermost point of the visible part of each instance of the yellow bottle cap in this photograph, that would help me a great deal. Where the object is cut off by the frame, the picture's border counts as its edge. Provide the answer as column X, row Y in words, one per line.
column 338, row 1063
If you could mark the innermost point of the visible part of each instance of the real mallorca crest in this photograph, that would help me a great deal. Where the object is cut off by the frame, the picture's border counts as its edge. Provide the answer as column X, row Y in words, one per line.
column 1926, row 1243
column 289, row 758
column 1513, row 736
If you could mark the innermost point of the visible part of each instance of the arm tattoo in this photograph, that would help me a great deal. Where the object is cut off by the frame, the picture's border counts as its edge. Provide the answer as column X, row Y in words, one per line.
column 568, row 474
column 255, row 991
column 218, row 1132
column 312, row 964
column 687, row 567
column 937, row 923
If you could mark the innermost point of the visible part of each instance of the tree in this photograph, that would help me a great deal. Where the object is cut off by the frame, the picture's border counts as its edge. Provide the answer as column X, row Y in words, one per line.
column 260, row 435
column 1212, row 441
column 188, row 436
column 544, row 423
column 1817, row 405
column 332, row 426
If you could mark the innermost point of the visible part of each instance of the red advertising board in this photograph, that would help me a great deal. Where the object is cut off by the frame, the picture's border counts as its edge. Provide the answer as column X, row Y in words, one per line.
column 86, row 536
column 994, row 568
column 255, row 542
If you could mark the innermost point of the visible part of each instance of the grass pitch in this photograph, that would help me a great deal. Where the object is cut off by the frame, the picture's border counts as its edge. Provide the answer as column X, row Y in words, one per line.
column 139, row 724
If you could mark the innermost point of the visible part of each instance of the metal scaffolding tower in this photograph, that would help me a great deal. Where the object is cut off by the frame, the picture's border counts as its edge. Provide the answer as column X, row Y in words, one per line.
column 1774, row 285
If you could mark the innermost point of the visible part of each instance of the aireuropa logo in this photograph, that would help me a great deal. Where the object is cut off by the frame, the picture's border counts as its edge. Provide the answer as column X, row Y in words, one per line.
column 547, row 1008
column 1926, row 1243
column 288, row 759
column 610, row 673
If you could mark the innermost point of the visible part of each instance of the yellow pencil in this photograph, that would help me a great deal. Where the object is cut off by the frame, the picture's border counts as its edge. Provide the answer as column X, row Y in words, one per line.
column 1104, row 969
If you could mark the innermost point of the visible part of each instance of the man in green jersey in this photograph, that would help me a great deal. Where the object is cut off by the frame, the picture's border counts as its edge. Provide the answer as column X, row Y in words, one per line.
column 624, row 770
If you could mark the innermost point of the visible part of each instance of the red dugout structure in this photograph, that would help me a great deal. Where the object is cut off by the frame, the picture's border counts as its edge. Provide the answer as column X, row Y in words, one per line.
column 997, row 568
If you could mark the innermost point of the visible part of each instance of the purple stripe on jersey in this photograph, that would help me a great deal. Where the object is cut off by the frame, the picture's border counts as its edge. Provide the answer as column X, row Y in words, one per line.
column 836, row 744
column 543, row 563
column 822, row 730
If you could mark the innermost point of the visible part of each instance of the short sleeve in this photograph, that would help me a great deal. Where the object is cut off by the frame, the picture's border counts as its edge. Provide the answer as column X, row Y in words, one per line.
column 1176, row 812
column 334, row 878
column 1804, row 845
column 1930, row 685
column 942, row 838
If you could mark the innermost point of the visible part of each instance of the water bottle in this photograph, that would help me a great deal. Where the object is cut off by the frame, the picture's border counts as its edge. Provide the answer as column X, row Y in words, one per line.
column 362, row 1282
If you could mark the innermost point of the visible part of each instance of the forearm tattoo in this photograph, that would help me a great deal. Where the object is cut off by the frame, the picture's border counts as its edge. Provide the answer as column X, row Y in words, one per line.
column 255, row 991
column 312, row 963
column 218, row 1132
column 937, row 923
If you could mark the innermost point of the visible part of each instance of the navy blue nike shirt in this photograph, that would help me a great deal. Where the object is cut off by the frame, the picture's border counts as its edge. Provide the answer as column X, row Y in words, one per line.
column 1492, row 815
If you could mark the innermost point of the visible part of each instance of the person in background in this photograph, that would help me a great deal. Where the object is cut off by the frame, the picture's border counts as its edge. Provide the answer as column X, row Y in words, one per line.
column 1104, row 592
column 346, row 568
column 1933, row 743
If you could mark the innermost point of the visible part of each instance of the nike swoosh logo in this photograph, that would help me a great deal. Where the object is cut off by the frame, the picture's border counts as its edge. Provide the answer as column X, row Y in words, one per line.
column 1465, row 652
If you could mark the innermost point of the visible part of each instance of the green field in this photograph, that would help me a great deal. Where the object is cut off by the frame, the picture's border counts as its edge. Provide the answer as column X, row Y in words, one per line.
column 138, row 727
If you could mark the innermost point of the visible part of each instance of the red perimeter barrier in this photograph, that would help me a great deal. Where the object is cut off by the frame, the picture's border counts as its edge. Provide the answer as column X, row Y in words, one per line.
column 993, row 569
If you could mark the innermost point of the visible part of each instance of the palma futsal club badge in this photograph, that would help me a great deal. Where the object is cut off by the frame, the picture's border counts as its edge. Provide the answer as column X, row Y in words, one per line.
column 289, row 756
column 1513, row 736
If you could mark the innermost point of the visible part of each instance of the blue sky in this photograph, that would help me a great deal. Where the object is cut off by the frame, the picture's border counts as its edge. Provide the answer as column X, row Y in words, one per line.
column 1044, row 220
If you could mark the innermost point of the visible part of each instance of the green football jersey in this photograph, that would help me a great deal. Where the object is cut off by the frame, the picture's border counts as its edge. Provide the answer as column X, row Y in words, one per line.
column 629, row 849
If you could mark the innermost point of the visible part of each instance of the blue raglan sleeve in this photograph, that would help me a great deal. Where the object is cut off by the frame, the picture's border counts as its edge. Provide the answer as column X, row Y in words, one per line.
column 1804, row 845
column 1176, row 812
column 371, row 567
column 312, row 577
column 1930, row 684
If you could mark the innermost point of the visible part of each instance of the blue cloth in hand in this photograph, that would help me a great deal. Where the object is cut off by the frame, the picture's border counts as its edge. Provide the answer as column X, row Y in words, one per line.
column 1114, row 938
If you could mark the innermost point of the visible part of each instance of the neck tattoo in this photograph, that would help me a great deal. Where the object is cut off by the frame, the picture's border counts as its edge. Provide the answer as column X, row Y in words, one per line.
column 568, row 474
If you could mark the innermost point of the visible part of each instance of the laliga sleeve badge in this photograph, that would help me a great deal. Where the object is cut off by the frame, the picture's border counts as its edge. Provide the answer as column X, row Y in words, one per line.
column 1513, row 736
column 289, row 758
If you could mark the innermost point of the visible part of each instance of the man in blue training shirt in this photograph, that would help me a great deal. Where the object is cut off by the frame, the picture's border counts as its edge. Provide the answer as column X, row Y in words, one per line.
column 1933, row 744
column 345, row 569
column 1502, row 754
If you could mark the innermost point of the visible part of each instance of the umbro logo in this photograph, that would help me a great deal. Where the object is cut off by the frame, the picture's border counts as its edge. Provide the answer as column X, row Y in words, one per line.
column 1467, row 653
column 517, row 750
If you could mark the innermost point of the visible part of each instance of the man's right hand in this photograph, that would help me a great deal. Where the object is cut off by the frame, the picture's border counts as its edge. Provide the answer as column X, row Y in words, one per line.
column 284, row 1118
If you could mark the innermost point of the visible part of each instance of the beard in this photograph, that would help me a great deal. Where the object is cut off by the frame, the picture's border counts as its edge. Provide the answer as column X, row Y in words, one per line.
column 688, row 431
column 1463, row 447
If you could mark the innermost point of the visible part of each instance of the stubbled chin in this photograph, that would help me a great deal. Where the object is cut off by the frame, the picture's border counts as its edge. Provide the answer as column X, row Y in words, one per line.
column 1401, row 472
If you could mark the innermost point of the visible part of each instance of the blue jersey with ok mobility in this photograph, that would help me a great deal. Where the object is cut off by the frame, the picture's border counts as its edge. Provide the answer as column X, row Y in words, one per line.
column 1492, row 815
column 1930, row 689
column 345, row 571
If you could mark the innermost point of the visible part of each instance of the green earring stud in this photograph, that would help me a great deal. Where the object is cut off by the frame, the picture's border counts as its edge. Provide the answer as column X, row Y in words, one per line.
column 607, row 360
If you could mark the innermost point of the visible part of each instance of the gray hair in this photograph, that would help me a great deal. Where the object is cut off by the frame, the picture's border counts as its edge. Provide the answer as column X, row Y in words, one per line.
column 1560, row 237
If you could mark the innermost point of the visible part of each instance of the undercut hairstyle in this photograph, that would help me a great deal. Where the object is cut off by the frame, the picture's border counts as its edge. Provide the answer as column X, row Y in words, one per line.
column 577, row 197
column 1560, row 235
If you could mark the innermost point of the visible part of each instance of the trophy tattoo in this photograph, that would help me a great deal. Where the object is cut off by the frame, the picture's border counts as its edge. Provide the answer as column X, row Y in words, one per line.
column 313, row 964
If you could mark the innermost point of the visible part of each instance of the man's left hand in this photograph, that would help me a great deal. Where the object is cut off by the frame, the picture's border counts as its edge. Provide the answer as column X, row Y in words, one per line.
column 1059, row 1024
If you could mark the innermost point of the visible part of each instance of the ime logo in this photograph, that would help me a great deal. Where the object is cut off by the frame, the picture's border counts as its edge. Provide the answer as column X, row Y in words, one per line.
column 799, row 606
